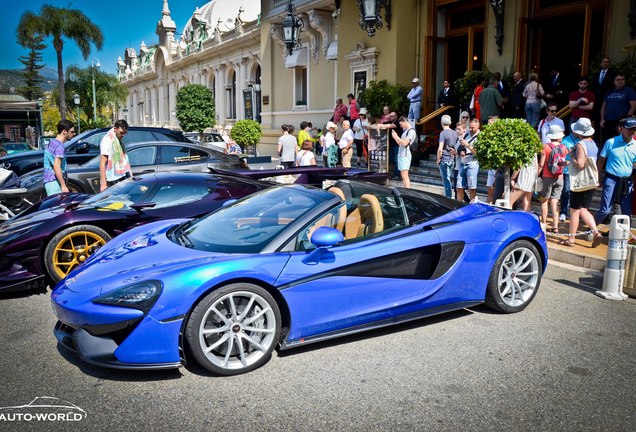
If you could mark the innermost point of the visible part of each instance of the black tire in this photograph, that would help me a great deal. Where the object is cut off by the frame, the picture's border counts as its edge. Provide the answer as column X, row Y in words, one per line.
column 70, row 247
column 243, row 339
column 515, row 277
column 74, row 187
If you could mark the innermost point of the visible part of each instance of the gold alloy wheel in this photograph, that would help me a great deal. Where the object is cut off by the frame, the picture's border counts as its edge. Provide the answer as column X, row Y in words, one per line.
column 74, row 249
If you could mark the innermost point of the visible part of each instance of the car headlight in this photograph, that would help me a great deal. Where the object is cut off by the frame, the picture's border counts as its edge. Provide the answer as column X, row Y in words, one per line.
column 141, row 295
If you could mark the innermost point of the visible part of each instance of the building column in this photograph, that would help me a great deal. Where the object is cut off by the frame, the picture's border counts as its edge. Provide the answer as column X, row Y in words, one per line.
column 162, row 103
column 220, row 94
column 132, row 108
column 172, row 102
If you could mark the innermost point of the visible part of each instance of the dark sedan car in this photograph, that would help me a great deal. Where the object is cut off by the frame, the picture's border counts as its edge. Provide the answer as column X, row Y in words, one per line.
column 144, row 158
column 85, row 146
column 59, row 233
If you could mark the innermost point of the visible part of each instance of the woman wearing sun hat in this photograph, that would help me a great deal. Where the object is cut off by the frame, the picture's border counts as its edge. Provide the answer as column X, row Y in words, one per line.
column 580, row 201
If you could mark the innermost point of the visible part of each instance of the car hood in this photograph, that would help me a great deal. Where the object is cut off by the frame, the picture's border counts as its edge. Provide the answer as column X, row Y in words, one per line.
column 139, row 254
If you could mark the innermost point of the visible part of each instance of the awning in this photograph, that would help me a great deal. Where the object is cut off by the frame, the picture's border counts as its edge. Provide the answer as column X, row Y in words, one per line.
column 297, row 59
column 18, row 106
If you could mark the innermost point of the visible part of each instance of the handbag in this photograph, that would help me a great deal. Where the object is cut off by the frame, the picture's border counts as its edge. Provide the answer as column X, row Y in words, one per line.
column 542, row 101
column 585, row 179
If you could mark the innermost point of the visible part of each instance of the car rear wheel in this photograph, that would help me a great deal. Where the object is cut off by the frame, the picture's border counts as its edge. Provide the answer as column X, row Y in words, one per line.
column 515, row 278
column 234, row 329
column 71, row 247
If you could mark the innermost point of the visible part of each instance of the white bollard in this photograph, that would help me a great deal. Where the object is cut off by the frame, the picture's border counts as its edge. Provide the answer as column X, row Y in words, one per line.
column 616, row 256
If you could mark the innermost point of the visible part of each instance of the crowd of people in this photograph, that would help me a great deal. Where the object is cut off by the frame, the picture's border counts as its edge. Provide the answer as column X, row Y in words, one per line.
column 601, row 131
column 343, row 141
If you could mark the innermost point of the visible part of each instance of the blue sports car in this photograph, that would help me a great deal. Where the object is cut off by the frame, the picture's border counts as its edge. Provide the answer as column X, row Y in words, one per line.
column 288, row 266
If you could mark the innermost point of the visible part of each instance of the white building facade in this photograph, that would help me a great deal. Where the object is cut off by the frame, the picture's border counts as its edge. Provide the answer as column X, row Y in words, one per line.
column 219, row 48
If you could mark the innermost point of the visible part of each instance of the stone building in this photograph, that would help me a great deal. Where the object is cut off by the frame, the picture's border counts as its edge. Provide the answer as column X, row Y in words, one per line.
column 237, row 48
column 219, row 47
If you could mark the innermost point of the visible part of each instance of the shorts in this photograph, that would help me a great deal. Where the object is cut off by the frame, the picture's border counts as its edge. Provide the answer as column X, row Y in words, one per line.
column 52, row 188
column 581, row 200
column 404, row 163
column 552, row 187
column 491, row 178
column 467, row 175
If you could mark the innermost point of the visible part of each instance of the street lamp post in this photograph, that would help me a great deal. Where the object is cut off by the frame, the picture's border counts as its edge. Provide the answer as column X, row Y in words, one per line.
column 76, row 99
column 94, row 100
column 40, row 107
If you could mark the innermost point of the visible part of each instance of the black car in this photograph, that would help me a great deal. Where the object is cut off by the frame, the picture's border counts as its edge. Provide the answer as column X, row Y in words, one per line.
column 144, row 158
column 85, row 146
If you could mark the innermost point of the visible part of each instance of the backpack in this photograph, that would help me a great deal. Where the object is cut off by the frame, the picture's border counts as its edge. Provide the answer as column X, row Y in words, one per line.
column 556, row 159
column 414, row 144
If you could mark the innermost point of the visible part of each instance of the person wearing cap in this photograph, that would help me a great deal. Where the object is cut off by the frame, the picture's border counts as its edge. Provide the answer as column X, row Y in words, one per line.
column 552, row 184
column 616, row 162
column 445, row 158
column 360, row 132
column 330, row 150
column 580, row 201
column 415, row 100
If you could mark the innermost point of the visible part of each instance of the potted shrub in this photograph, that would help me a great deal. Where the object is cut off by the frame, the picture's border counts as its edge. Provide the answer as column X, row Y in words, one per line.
column 381, row 93
column 246, row 132
column 507, row 144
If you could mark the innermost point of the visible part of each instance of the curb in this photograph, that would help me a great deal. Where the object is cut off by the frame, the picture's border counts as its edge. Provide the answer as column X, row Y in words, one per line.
column 577, row 259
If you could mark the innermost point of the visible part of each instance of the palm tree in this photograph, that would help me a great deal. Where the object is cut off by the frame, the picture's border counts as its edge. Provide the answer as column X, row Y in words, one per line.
column 60, row 24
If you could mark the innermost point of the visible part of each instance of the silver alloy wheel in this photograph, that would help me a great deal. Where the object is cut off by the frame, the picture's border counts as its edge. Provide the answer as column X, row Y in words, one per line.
column 518, row 276
column 237, row 330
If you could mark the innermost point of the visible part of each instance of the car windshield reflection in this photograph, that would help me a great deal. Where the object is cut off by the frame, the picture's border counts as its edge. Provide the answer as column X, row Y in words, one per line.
column 250, row 224
column 118, row 197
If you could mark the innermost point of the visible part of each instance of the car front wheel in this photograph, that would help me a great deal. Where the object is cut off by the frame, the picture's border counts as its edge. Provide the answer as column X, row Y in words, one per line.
column 515, row 278
column 234, row 329
column 71, row 247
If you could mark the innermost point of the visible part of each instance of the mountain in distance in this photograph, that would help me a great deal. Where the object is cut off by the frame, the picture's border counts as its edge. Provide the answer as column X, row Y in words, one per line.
column 11, row 79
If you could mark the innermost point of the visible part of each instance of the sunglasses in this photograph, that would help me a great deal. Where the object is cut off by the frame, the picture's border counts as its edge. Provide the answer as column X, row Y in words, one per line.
column 552, row 110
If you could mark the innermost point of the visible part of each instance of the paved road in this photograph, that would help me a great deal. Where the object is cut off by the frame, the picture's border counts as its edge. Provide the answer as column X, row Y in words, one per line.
column 565, row 364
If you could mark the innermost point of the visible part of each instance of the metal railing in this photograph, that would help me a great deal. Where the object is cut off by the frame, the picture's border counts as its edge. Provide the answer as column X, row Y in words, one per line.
column 434, row 114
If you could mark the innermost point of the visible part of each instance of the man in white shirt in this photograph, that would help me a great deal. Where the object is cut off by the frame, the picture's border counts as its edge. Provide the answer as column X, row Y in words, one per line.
column 550, row 120
column 345, row 144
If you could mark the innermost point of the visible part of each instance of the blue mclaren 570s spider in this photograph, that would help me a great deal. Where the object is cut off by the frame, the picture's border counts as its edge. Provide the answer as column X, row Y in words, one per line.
column 291, row 265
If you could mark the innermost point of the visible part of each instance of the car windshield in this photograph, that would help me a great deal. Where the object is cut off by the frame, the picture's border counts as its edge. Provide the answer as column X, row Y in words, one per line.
column 248, row 225
column 16, row 146
column 118, row 197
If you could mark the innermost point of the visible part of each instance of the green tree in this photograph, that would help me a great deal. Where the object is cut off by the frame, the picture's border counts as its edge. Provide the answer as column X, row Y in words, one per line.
column 509, row 144
column 195, row 108
column 61, row 24
column 246, row 132
column 108, row 91
column 381, row 93
column 32, row 62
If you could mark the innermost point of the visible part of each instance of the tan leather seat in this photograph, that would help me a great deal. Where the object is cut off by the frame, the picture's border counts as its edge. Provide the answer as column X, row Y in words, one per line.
column 366, row 219
column 337, row 221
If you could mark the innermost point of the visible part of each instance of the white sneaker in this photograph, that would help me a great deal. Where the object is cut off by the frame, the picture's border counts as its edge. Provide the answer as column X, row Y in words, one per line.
column 562, row 217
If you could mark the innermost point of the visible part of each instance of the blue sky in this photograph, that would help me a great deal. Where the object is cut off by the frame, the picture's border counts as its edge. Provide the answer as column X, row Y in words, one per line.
column 123, row 24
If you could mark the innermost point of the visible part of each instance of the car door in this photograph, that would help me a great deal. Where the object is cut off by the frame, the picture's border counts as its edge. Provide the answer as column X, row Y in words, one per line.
column 143, row 159
column 359, row 283
column 182, row 158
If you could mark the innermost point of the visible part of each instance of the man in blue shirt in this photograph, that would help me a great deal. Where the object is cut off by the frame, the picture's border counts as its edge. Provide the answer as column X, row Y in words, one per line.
column 617, row 160
column 54, row 160
column 415, row 100
column 619, row 103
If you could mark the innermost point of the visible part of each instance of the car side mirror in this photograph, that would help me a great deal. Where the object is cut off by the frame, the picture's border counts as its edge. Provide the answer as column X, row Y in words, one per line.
column 140, row 206
column 323, row 238
column 82, row 148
